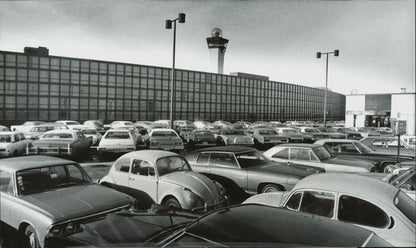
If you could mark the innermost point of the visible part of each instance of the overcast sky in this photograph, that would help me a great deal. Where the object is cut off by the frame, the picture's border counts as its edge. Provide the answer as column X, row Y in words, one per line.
column 276, row 38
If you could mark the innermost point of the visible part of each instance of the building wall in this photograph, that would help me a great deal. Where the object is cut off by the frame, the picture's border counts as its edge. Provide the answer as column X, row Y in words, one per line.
column 403, row 108
column 50, row 88
column 355, row 106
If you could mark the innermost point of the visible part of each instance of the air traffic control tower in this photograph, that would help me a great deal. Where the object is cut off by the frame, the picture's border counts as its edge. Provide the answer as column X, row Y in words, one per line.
column 217, row 46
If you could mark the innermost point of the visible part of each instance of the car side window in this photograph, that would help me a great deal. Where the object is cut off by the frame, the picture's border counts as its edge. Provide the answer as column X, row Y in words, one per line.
column 294, row 201
column 16, row 137
column 142, row 167
column 21, row 136
column 122, row 165
column 319, row 203
column 284, row 154
column 203, row 158
column 299, row 154
column 359, row 211
column 348, row 148
column 6, row 182
column 223, row 159
column 379, row 143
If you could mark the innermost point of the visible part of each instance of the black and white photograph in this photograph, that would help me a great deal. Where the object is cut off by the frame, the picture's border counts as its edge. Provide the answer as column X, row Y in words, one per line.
column 198, row 123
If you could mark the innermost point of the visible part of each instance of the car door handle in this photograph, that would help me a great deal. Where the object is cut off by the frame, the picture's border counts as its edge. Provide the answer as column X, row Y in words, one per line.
column 131, row 179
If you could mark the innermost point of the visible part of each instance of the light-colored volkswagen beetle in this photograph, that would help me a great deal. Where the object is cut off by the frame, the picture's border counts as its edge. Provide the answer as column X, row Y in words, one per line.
column 163, row 177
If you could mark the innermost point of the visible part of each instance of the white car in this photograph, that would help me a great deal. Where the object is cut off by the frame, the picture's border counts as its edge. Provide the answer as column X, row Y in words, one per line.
column 25, row 126
column 367, row 202
column 12, row 143
column 92, row 134
column 117, row 141
column 163, row 177
column 71, row 124
column 164, row 139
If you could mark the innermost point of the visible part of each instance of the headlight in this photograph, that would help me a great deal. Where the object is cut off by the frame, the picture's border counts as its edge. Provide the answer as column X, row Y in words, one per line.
column 193, row 199
column 65, row 229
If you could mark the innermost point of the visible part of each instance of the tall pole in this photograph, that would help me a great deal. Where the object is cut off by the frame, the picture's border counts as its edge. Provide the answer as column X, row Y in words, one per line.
column 326, row 89
column 172, row 85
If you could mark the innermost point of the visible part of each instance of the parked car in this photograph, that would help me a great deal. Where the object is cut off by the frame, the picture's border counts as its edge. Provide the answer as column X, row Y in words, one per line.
column 366, row 131
column 165, row 139
column 43, row 195
column 389, row 145
column 244, row 170
column 95, row 124
column 117, row 141
column 137, row 226
column 266, row 137
column 254, row 225
column 116, row 124
column 185, row 131
column 292, row 134
column 143, row 126
column 313, row 134
column 233, row 137
column 163, row 177
column 404, row 179
column 357, row 199
column 317, row 156
column 354, row 149
column 4, row 128
column 70, row 124
column 410, row 140
column 12, row 143
column 26, row 126
column 222, row 124
column 201, row 124
column 93, row 135
column 236, row 226
column 37, row 131
column 201, row 138
column 349, row 132
column 333, row 134
column 69, row 142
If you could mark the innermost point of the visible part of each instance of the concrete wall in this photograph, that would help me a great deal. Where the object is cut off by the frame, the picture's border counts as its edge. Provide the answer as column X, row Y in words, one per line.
column 403, row 108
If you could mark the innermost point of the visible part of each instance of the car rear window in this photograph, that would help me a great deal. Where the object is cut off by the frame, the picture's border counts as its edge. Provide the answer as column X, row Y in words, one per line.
column 117, row 135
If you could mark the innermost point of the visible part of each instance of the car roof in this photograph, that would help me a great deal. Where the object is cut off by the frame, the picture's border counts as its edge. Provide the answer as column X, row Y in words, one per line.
column 163, row 129
column 29, row 162
column 303, row 145
column 63, row 131
column 322, row 141
column 350, row 183
column 9, row 132
column 151, row 155
column 226, row 149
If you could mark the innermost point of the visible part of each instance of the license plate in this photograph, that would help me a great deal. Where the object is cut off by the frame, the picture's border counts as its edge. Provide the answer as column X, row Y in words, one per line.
column 205, row 143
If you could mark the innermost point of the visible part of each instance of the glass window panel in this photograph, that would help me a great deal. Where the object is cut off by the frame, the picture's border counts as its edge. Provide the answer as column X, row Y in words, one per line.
column 54, row 102
column 43, row 103
column 54, row 63
column 11, row 60
column 74, row 65
column 21, row 60
column 33, row 88
column 65, row 64
column 65, row 90
column 54, row 89
column 85, row 66
column 43, row 89
column 44, row 63
column 10, row 74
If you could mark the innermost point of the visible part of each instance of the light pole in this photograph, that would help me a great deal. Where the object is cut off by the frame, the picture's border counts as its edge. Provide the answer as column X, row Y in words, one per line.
column 168, row 25
column 318, row 55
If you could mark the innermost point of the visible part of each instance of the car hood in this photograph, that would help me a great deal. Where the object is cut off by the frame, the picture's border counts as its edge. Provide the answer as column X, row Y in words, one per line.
column 352, row 162
column 77, row 201
column 285, row 169
column 197, row 183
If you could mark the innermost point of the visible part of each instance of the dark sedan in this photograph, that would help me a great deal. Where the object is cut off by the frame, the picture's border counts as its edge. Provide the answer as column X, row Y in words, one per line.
column 354, row 149
column 389, row 145
column 237, row 226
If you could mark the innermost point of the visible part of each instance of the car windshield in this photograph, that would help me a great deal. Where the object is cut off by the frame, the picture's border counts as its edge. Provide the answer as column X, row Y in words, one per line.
column 41, row 129
column 363, row 148
column 233, row 132
column 57, row 136
column 50, row 178
column 327, row 130
column 163, row 134
column 267, row 132
column 86, row 131
column 289, row 131
column 406, row 205
column 311, row 130
column 117, row 135
column 5, row 138
column 171, row 164
column 322, row 153
column 203, row 133
column 69, row 123
column 251, row 159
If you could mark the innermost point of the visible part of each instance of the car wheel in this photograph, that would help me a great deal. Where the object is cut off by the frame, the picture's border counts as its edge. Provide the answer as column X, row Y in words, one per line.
column 31, row 238
column 172, row 202
column 270, row 188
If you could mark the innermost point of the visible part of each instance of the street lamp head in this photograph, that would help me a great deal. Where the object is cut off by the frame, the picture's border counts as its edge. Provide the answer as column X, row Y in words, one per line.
column 181, row 18
column 318, row 55
column 336, row 53
column 168, row 24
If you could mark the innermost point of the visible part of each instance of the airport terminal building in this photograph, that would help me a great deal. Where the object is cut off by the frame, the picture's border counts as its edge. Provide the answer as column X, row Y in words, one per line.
column 37, row 86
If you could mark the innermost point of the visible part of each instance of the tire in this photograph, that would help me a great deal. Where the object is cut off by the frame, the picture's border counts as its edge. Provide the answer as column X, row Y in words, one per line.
column 270, row 188
column 31, row 239
column 172, row 203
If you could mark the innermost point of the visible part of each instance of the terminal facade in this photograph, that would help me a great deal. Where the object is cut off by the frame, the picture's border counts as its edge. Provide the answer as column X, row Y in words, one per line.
column 37, row 86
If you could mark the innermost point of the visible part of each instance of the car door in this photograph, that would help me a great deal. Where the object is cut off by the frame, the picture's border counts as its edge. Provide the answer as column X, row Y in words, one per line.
column 7, row 196
column 225, row 164
column 143, row 181
column 22, row 143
